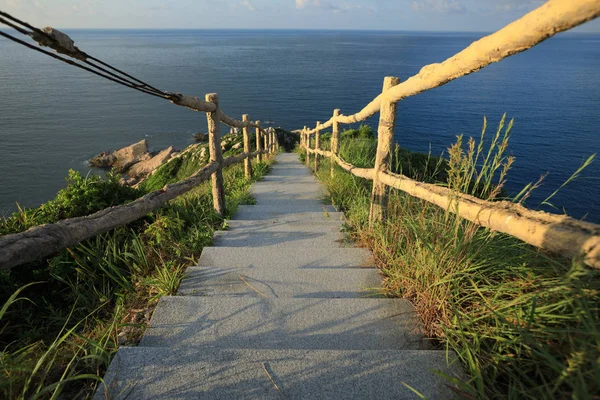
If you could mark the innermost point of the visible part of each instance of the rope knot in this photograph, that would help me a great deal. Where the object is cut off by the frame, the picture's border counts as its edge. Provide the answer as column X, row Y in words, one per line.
column 59, row 41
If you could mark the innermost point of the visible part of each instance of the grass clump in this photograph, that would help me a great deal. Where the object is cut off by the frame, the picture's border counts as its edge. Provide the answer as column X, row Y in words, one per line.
column 83, row 195
column 524, row 324
column 63, row 317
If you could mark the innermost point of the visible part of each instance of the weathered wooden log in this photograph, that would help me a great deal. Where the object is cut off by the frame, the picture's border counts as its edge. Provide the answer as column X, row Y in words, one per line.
column 266, row 143
column 335, row 140
column 216, row 154
column 45, row 240
column 247, row 161
column 193, row 103
column 558, row 234
column 308, row 150
column 366, row 173
column 385, row 138
column 317, row 147
column 553, row 17
column 258, row 143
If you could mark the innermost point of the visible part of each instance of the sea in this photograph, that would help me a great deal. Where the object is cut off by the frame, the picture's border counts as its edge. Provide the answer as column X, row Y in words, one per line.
column 54, row 117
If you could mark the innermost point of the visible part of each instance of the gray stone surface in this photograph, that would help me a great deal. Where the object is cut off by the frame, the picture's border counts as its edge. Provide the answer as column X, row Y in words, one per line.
column 283, row 323
column 290, row 258
column 218, row 374
column 266, row 233
column 279, row 309
column 274, row 283
column 291, row 212
column 283, row 272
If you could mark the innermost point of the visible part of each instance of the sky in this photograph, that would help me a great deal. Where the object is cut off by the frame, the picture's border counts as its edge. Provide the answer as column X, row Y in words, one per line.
column 423, row 15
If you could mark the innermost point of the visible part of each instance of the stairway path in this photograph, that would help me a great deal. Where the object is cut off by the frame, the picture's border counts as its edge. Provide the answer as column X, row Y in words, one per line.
column 281, row 307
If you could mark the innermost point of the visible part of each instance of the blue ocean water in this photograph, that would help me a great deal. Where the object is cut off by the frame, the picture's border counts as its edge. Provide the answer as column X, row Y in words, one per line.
column 54, row 117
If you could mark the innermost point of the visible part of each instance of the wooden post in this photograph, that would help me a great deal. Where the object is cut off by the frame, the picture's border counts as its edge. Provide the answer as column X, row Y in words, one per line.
column 385, row 138
column 247, row 150
column 307, row 148
column 335, row 140
column 266, row 143
column 214, row 147
column 258, row 143
column 317, row 146
column 303, row 138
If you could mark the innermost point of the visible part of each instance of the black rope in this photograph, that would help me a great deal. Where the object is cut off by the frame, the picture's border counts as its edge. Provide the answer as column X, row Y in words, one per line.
column 126, row 74
column 125, row 79
column 70, row 62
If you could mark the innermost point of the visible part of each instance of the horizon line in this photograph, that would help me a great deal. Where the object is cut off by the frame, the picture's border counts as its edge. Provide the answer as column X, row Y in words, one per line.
column 288, row 29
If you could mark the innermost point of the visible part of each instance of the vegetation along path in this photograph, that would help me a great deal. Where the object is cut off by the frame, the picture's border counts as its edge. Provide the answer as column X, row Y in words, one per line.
column 280, row 307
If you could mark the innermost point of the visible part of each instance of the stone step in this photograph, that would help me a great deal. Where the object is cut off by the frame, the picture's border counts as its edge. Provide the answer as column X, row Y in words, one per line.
column 283, row 323
column 258, row 225
column 271, row 233
column 283, row 272
column 139, row 373
column 272, row 283
column 306, row 212
column 277, row 191
column 305, row 259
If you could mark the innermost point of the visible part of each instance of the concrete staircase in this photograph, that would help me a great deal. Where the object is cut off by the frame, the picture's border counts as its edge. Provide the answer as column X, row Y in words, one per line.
column 280, row 308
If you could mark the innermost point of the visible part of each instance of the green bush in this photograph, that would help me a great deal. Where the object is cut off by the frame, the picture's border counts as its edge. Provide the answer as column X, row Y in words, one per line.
column 82, row 196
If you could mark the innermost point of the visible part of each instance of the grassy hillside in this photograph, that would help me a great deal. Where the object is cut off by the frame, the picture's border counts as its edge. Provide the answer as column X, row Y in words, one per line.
column 524, row 324
column 62, row 318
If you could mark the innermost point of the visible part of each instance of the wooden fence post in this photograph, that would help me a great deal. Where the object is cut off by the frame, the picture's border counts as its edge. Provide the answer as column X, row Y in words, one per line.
column 247, row 150
column 258, row 143
column 303, row 137
column 317, row 146
column 335, row 140
column 216, row 154
column 307, row 148
column 266, row 143
column 269, row 149
column 385, row 138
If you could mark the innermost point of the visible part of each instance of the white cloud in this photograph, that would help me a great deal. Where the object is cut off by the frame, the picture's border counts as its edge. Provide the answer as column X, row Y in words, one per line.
column 300, row 4
column 518, row 5
column 441, row 6
column 335, row 8
column 248, row 5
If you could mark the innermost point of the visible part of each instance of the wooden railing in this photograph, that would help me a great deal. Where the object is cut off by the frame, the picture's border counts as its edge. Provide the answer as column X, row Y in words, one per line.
column 44, row 240
column 555, row 233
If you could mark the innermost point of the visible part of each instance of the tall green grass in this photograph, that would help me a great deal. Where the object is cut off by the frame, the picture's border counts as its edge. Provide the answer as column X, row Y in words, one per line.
column 523, row 324
column 64, row 316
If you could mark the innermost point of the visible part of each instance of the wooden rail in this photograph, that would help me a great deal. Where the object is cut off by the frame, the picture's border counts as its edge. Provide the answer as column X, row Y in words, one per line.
column 555, row 233
column 45, row 240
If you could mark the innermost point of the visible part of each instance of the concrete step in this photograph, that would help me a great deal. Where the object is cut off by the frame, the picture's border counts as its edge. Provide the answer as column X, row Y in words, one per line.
column 305, row 212
column 286, row 192
column 306, row 259
column 272, row 283
column 271, row 233
column 217, row 374
column 283, row 323
column 283, row 272
column 259, row 225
